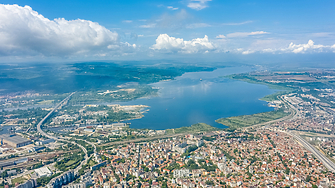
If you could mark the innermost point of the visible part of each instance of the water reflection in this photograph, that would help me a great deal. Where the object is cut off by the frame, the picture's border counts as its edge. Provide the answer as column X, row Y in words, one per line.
column 201, row 97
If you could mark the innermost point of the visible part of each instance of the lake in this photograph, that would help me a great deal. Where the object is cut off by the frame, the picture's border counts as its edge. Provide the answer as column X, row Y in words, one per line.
column 201, row 97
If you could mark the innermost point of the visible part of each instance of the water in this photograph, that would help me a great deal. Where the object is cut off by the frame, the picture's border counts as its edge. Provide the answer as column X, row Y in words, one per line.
column 198, row 97
column 201, row 97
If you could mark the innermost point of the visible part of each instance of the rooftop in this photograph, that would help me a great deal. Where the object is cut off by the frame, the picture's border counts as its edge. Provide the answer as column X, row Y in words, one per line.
column 14, row 138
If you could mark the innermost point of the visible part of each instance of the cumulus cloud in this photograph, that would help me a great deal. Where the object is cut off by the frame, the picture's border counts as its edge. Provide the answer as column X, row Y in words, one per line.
column 171, row 44
column 245, row 34
column 198, row 4
column 302, row 48
column 24, row 31
column 310, row 47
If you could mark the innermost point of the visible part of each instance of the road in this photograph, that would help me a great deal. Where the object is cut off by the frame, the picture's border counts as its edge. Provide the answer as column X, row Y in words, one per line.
column 94, row 146
column 292, row 115
column 39, row 129
column 320, row 156
column 42, row 121
column 325, row 161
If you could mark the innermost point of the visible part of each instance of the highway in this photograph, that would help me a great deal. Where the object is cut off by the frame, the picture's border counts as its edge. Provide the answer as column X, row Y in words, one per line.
column 42, row 121
column 39, row 129
column 325, row 161
column 320, row 156
column 294, row 115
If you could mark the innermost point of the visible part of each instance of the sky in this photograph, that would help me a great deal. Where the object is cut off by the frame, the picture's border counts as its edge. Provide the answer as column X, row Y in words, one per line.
column 32, row 30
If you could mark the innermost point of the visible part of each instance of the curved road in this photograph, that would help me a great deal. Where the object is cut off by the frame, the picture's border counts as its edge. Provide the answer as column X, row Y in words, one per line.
column 39, row 129
column 292, row 115
column 42, row 121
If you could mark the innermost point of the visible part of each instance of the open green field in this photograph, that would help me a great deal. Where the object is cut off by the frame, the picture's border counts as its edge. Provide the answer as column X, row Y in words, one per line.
column 19, row 180
column 199, row 127
column 252, row 79
column 274, row 96
column 70, row 162
column 45, row 102
column 249, row 120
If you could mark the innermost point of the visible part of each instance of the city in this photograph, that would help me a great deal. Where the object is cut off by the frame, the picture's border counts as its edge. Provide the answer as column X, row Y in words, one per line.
column 292, row 151
column 167, row 94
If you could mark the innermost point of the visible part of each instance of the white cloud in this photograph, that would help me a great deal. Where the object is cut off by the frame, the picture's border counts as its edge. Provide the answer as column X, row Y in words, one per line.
column 237, row 23
column 302, row 48
column 171, row 44
column 245, row 34
column 220, row 37
column 310, row 47
column 197, row 25
column 125, row 44
column 152, row 25
column 127, row 21
column 198, row 4
column 172, row 8
column 248, row 52
column 26, row 32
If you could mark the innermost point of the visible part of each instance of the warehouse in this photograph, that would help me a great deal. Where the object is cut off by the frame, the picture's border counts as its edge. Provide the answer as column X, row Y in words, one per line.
column 44, row 171
column 14, row 140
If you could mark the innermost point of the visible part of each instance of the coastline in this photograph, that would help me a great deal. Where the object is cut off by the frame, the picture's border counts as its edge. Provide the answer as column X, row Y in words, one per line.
column 244, row 121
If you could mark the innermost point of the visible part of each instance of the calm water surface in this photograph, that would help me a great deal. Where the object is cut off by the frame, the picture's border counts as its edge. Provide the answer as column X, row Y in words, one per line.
column 201, row 97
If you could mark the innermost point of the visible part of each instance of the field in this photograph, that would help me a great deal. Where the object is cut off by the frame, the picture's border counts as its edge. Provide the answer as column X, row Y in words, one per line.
column 71, row 162
column 305, row 78
column 199, row 127
column 249, row 120
column 19, row 180
column 45, row 102
column 274, row 96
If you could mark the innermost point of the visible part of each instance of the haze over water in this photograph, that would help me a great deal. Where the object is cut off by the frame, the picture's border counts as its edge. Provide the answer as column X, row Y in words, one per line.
column 201, row 97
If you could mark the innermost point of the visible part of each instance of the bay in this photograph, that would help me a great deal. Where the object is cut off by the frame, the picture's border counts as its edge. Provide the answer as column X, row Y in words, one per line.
column 201, row 97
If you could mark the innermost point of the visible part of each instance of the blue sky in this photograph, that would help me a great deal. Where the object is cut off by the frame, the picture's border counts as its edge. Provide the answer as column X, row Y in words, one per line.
column 102, row 29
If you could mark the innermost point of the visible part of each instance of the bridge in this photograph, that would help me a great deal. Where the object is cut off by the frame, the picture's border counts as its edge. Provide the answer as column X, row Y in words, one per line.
column 47, row 116
column 65, row 176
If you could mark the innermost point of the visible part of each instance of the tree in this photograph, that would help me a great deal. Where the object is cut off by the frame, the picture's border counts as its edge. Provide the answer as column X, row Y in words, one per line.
column 139, row 185
column 209, row 182
column 164, row 184
column 287, row 171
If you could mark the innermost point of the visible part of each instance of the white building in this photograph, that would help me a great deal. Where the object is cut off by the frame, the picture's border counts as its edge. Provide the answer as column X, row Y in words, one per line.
column 181, row 173
column 222, row 165
column 42, row 172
